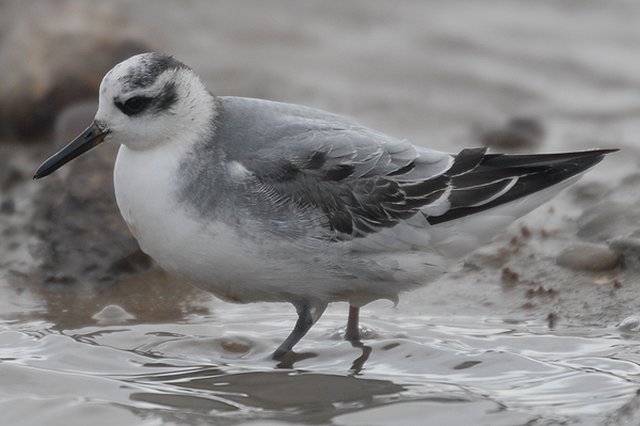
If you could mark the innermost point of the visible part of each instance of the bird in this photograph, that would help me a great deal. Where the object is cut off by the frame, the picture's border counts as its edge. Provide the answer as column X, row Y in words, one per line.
column 262, row 201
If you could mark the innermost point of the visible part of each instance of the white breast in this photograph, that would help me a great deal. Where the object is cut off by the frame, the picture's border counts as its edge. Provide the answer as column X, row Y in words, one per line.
column 146, row 193
column 143, row 183
column 207, row 253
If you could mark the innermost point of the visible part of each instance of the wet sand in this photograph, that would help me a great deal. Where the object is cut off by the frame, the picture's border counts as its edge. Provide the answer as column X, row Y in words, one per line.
column 508, row 338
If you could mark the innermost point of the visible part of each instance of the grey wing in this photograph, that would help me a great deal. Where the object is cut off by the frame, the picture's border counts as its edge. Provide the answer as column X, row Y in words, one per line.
column 363, row 181
column 360, row 180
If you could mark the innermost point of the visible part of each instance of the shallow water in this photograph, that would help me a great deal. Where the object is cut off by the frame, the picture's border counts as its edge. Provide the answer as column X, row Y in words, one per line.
column 214, row 368
column 465, row 350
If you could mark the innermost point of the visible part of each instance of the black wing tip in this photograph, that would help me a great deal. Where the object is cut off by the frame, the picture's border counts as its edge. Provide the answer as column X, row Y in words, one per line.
column 604, row 151
column 589, row 152
column 590, row 158
column 544, row 159
column 546, row 170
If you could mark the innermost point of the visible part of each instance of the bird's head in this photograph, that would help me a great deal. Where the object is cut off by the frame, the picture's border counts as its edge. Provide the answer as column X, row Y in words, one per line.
column 145, row 101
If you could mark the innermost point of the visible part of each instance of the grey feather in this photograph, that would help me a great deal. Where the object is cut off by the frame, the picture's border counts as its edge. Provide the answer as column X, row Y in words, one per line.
column 309, row 168
column 354, row 177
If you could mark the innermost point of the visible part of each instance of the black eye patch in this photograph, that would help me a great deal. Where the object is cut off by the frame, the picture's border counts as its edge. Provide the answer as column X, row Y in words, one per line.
column 134, row 105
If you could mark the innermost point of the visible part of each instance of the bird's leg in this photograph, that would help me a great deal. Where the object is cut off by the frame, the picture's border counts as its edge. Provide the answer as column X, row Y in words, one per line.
column 353, row 330
column 307, row 316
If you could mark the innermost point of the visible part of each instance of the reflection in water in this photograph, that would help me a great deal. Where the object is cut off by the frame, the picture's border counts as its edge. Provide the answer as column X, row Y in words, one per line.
column 307, row 397
column 288, row 360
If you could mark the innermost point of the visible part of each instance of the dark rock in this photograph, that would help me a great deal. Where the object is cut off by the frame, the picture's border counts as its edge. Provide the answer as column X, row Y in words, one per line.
column 55, row 54
column 131, row 263
column 588, row 257
column 508, row 277
column 517, row 133
column 10, row 174
column 8, row 206
column 629, row 250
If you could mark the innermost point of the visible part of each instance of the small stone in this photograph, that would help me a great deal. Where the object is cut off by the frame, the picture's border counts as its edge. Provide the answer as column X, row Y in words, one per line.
column 629, row 250
column 588, row 257
column 234, row 346
column 540, row 291
column 466, row 364
column 112, row 314
column 552, row 319
column 8, row 206
column 509, row 277
column 131, row 264
column 630, row 324
column 10, row 174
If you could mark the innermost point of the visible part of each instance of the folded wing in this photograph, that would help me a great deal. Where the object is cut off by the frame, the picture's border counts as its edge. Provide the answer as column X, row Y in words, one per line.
column 363, row 181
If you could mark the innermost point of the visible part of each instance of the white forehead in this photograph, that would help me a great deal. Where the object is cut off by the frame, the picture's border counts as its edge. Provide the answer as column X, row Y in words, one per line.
column 138, row 73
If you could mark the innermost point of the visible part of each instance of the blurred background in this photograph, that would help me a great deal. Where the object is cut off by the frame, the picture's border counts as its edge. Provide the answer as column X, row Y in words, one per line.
column 84, row 311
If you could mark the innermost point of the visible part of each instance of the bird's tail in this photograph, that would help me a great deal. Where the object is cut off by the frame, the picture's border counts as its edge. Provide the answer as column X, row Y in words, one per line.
column 484, row 181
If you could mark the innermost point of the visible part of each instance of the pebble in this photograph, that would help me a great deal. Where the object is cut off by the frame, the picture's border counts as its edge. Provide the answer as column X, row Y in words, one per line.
column 630, row 324
column 10, row 174
column 629, row 251
column 112, row 314
column 588, row 257
column 8, row 207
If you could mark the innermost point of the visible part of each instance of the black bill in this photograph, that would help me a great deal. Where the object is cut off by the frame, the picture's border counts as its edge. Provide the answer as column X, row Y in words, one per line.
column 90, row 137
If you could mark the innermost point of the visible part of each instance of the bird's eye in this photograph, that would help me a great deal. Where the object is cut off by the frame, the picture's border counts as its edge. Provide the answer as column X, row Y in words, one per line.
column 134, row 105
